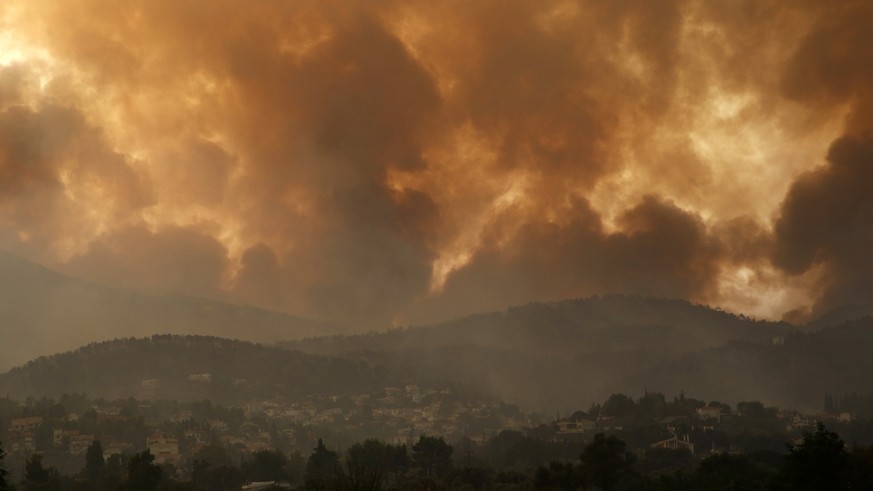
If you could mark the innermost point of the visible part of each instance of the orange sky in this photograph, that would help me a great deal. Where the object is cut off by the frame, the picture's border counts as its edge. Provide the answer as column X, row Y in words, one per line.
column 379, row 163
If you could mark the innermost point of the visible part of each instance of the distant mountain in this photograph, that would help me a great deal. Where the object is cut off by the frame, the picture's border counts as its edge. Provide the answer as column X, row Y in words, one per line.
column 545, row 357
column 43, row 312
column 797, row 371
column 840, row 315
column 190, row 368
column 548, row 356
column 569, row 329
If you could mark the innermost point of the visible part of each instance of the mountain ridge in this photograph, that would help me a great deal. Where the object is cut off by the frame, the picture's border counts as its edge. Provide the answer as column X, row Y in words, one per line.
column 798, row 370
column 793, row 367
column 45, row 311
column 554, row 355
column 186, row 367
column 590, row 316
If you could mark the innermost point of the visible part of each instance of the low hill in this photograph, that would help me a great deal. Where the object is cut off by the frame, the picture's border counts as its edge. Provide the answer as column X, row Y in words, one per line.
column 798, row 372
column 569, row 328
column 839, row 315
column 792, row 368
column 45, row 312
column 189, row 368
column 547, row 356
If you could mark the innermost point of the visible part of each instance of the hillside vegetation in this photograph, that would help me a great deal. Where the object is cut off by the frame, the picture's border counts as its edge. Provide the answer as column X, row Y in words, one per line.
column 554, row 355
column 174, row 368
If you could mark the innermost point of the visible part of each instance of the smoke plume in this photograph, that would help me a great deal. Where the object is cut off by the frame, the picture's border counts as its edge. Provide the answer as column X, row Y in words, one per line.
column 389, row 162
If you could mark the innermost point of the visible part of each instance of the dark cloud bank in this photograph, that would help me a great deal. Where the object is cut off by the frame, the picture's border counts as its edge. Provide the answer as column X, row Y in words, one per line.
column 394, row 162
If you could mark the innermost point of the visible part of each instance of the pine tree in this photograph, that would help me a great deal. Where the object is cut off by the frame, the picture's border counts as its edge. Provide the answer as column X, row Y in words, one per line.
column 94, row 464
column 820, row 462
column 39, row 478
column 143, row 474
column 323, row 469
column 3, row 473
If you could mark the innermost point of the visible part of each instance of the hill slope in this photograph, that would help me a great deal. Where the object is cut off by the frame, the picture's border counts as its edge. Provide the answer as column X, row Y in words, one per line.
column 840, row 315
column 45, row 312
column 557, row 355
column 570, row 328
column 238, row 371
column 797, row 373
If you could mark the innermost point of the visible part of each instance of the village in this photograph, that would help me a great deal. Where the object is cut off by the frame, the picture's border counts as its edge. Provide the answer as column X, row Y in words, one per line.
column 175, row 432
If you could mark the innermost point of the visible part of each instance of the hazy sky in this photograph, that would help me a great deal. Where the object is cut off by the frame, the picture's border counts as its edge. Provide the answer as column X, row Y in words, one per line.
column 376, row 163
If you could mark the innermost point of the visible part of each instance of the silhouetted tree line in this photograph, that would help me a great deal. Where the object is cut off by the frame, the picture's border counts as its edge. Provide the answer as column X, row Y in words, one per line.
column 820, row 461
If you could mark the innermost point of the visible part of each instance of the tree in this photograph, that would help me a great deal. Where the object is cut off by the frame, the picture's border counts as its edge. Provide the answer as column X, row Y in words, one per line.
column 605, row 462
column 558, row 476
column 322, row 469
column 725, row 470
column 143, row 474
column 371, row 463
column 39, row 478
column 212, row 470
column 432, row 463
column 113, row 470
column 267, row 465
column 819, row 462
column 433, row 456
column 723, row 407
column 94, row 464
column 4, row 486
column 860, row 468
column 652, row 405
column 751, row 409
column 207, row 477
column 214, row 455
column 513, row 450
column 619, row 406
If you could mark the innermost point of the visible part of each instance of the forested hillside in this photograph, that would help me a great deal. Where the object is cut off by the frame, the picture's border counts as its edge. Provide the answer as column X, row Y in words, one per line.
column 189, row 368
column 799, row 373
column 554, row 355
column 542, row 357
column 570, row 328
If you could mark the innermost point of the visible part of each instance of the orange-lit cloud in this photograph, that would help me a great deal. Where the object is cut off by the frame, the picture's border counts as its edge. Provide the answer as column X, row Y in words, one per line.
column 383, row 162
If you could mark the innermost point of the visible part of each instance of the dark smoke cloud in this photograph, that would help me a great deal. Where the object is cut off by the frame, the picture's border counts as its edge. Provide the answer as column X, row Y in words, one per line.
column 662, row 251
column 377, row 163
column 827, row 219
column 179, row 259
column 44, row 152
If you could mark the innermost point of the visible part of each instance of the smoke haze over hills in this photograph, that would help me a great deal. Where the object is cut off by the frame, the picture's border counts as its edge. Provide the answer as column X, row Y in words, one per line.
column 540, row 356
column 43, row 312
column 543, row 357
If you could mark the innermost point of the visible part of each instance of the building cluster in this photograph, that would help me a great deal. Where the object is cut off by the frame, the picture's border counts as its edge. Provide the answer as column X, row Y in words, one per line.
column 688, row 431
column 22, row 434
column 396, row 414
column 175, row 431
